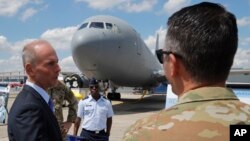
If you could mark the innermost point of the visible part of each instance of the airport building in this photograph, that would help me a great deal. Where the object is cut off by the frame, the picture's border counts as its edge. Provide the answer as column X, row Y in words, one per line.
column 14, row 76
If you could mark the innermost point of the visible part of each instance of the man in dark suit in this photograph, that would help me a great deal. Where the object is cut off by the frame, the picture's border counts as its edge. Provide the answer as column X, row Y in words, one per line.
column 31, row 116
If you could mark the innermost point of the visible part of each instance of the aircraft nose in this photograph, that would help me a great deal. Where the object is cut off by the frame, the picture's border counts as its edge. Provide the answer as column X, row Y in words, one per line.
column 76, row 40
column 86, row 39
column 86, row 46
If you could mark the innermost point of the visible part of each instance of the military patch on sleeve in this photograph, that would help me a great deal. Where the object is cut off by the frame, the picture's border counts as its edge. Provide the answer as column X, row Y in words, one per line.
column 104, row 97
column 86, row 97
column 239, row 132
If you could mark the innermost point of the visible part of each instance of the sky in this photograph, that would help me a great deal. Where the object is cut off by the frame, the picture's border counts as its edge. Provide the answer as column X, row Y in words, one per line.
column 22, row 21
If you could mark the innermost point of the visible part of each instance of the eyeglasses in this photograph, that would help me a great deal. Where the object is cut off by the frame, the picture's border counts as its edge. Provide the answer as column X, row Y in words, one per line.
column 160, row 52
column 93, row 86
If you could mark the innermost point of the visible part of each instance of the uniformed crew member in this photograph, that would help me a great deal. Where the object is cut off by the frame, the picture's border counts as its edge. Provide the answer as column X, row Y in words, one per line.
column 96, row 112
column 59, row 94
column 199, row 50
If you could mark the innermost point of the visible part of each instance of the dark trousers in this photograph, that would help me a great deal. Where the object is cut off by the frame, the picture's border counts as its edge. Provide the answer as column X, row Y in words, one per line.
column 92, row 136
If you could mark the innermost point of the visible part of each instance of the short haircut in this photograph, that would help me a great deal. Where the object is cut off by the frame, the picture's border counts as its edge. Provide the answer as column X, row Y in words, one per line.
column 29, row 53
column 205, row 35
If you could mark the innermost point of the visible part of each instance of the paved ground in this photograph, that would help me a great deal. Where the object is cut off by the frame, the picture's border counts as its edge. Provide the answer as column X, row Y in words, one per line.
column 127, row 111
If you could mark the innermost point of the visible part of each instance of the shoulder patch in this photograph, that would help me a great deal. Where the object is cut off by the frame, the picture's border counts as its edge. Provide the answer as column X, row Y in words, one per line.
column 86, row 97
column 104, row 97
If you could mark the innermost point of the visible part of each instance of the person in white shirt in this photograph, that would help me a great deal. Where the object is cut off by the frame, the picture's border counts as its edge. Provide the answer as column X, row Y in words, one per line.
column 96, row 112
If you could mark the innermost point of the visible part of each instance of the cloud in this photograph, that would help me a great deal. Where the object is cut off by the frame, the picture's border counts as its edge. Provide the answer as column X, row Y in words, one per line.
column 37, row 1
column 67, row 65
column 14, row 63
column 242, row 58
column 4, row 45
column 245, row 21
column 28, row 13
column 12, row 52
column 11, row 7
column 12, row 48
column 60, row 38
column 138, row 7
column 125, row 5
column 172, row 6
column 102, row 4
column 17, row 47
column 245, row 42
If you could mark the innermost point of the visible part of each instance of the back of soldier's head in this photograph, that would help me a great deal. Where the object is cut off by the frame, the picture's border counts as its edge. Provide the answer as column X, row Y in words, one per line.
column 205, row 35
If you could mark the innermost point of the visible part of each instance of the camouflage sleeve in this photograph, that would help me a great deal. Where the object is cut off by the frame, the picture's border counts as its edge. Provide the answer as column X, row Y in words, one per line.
column 69, row 96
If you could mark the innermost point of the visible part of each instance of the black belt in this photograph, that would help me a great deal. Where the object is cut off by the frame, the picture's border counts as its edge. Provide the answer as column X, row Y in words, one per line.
column 95, row 132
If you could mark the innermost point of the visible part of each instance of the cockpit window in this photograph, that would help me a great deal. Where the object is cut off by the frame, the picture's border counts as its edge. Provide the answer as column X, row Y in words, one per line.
column 109, row 25
column 96, row 25
column 83, row 26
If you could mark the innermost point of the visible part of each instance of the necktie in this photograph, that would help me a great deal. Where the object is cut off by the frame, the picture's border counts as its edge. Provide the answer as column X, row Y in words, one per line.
column 51, row 105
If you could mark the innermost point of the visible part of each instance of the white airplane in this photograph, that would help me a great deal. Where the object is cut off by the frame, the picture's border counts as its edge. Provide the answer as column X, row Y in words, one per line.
column 108, row 48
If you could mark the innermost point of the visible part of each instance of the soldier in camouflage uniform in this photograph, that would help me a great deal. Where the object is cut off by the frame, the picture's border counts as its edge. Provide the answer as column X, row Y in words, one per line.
column 201, row 42
column 60, row 93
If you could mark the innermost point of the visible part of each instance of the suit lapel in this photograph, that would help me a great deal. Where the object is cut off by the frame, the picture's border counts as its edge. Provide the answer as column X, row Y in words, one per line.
column 51, row 117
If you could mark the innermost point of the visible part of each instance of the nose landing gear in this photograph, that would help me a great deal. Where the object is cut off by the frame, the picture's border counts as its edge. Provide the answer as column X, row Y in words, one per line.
column 114, row 96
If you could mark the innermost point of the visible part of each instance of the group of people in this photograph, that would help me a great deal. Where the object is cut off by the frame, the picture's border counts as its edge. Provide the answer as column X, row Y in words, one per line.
column 36, row 113
column 200, row 46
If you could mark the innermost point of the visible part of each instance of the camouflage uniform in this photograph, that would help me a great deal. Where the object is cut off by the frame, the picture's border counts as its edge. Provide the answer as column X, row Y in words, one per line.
column 203, row 114
column 60, row 93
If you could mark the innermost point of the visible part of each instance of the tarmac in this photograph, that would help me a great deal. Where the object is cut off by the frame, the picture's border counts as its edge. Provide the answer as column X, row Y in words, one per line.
column 127, row 111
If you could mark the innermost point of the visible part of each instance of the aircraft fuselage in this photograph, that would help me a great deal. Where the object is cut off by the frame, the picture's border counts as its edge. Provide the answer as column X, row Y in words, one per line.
column 113, row 50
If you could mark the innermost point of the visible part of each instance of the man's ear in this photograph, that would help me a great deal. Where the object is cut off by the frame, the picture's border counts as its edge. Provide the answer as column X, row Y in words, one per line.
column 173, row 65
column 29, row 69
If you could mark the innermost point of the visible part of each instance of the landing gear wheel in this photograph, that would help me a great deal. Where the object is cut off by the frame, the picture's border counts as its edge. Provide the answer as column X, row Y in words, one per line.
column 114, row 96
column 118, row 96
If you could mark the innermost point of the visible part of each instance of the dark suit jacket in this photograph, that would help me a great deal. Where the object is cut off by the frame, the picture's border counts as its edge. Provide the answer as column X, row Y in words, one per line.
column 30, row 118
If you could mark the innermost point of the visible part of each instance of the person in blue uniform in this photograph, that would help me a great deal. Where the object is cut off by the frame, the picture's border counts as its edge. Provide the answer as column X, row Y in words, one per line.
column 96, row 112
